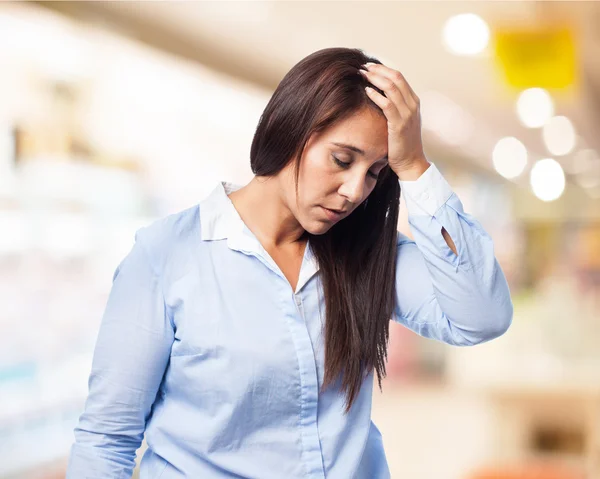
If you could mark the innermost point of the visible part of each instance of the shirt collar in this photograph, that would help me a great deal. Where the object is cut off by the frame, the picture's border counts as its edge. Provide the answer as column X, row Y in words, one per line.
column 220, row 220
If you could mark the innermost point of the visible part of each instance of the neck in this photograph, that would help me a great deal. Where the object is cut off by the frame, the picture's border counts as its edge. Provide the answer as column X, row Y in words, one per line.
column 261, row 206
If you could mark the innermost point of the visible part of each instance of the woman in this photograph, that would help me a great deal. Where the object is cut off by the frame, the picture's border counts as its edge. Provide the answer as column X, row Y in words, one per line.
column 241, row 335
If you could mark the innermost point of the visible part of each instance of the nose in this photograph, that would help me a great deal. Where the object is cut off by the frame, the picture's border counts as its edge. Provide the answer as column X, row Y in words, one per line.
column 353, row 188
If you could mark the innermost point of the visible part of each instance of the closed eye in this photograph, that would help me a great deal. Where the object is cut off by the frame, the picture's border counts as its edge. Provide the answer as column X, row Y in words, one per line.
column 340, row 163
column 345, row 165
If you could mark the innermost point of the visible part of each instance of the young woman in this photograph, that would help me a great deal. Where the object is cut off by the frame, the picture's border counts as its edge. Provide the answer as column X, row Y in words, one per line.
column 242, row 335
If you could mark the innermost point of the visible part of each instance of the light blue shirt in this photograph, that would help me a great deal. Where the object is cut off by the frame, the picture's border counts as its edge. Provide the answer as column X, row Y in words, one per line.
column 205, row 347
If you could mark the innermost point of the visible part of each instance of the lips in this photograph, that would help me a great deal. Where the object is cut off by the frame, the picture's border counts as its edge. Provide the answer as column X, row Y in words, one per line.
column 339, row 212
column 333, row 215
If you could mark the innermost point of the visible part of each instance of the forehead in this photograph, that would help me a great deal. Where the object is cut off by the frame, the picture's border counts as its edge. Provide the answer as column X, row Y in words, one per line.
column 365, row 129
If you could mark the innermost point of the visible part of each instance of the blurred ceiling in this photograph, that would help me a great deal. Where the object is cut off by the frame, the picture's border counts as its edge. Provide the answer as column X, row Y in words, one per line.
column 261, row 41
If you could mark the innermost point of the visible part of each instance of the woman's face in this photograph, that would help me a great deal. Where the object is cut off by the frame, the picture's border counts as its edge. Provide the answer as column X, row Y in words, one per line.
column 338, row 170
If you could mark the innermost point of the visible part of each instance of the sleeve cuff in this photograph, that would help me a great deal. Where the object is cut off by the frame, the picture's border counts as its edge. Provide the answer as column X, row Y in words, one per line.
column 427, row 194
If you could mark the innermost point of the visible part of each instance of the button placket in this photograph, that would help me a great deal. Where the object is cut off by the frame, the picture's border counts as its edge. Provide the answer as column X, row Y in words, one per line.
column 309, row 391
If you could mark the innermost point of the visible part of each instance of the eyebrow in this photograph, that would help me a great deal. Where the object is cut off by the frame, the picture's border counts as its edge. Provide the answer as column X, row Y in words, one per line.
column 353, row 148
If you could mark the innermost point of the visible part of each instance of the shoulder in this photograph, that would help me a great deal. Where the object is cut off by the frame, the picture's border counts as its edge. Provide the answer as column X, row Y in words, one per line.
column 403, row 240
column 171, row 236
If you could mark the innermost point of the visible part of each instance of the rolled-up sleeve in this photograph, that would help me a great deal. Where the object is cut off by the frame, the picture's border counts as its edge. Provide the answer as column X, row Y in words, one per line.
column 130, row 356
column 461, row 299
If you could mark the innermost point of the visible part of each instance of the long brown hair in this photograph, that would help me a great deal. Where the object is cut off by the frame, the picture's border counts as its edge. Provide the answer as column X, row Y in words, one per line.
column 357, row 256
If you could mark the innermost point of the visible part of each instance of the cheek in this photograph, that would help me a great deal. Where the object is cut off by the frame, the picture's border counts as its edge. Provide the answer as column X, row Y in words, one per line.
column 316, row 179
column 316, row 166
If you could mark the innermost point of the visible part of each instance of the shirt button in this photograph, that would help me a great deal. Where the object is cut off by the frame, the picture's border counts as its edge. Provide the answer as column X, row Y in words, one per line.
column 425, row 196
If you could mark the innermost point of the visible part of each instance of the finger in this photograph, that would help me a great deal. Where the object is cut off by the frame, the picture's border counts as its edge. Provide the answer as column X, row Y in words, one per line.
column 396, row 77
column 392, row 93
column 410, row 97
column 387, row 106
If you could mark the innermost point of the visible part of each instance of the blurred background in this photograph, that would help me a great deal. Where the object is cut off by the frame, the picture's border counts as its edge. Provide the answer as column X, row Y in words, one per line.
column 113, row 114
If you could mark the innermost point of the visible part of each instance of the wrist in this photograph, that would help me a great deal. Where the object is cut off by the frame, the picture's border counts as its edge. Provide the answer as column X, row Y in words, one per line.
column 412, row 170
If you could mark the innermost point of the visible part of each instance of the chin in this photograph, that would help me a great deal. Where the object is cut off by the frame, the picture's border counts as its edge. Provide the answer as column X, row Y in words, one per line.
column 317, row 227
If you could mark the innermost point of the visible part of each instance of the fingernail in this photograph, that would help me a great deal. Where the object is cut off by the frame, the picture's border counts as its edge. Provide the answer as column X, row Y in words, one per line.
column 370, row 64
column 363, row 72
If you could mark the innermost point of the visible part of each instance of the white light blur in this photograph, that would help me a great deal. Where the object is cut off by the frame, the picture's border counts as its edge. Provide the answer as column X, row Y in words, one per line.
column 588, row 182
column 559, row 135
column 7, row 153
column 586, row 168
column 446, row 118
column 547, row 179
column 465, row 34
column 509, row 157
column 103, row 190
column 65, row 235
column 49, row 42
column 535, row 107
column 582, row 160
column 16, row 235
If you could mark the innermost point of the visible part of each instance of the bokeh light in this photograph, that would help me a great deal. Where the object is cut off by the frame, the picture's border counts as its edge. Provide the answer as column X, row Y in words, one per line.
column 465, row 34
column 559, row 135
column 509, row 157
column 547, row 179
column 535, row 107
